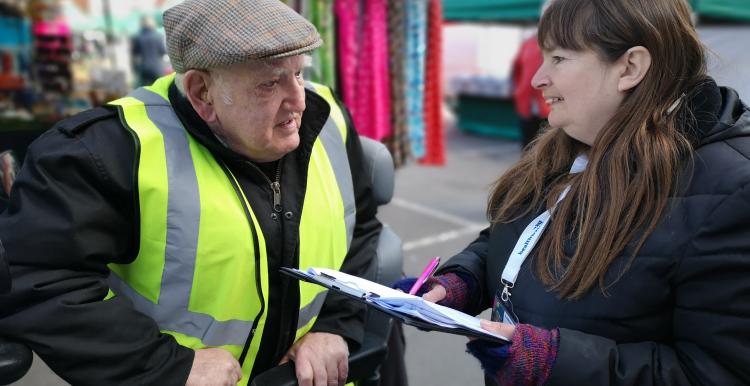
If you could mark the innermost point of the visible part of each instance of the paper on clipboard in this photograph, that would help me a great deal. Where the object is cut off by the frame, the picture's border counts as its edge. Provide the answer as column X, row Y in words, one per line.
column 397, row 301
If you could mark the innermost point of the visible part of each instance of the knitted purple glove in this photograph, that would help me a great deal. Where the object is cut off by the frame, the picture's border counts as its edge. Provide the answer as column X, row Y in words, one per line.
column 525, row 362
column 456, row 290
column 491, row 355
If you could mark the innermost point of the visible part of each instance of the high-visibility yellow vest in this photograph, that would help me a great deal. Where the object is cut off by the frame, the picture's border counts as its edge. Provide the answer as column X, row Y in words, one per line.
column 201, row 271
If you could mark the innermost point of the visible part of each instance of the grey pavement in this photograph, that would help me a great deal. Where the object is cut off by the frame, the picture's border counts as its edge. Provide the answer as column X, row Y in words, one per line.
column 436, row 211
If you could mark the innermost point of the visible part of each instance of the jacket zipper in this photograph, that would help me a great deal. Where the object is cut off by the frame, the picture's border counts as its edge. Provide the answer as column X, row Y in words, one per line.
column 275, row 184
column 276, row 189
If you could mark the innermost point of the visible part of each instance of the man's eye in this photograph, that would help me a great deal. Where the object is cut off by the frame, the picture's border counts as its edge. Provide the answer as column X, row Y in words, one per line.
column 298, row 74
column 269, row 84
column 557, row 59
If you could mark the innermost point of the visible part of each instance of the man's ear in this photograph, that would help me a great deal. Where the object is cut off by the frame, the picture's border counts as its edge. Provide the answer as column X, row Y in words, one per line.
column 196, row 84
column 636, row 62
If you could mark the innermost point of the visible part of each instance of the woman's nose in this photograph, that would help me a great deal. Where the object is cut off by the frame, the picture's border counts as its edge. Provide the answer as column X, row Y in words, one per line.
column 540, row 79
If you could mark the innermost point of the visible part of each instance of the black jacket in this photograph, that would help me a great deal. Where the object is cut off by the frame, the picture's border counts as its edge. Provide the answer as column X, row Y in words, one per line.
column 73, row 210
column 148, row 50
column 4, row 276
column 680, row 315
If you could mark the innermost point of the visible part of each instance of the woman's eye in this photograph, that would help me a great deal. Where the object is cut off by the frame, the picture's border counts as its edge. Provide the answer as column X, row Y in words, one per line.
column 557, row 59
column 298, row 74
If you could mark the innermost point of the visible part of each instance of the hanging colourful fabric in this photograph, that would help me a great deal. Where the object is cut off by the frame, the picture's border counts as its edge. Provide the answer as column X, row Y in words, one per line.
column 324, row 58
column 433, row 93
column 374, row 65
column 398, row 142
column 364, row 78
column 347, row 15
column 416, row 21
column 363, row 53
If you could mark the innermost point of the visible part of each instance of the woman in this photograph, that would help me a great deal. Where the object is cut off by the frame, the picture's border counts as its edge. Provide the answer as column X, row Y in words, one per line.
column 642, row 182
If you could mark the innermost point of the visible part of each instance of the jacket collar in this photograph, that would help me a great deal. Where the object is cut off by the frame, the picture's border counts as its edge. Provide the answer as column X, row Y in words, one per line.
column 719, row 114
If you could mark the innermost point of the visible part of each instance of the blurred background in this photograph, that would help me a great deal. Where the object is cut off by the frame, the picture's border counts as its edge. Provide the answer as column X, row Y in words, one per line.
column 439, row 82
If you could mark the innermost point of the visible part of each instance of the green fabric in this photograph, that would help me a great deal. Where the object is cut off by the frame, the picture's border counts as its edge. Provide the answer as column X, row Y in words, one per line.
column 528, row 10
column 320, row 13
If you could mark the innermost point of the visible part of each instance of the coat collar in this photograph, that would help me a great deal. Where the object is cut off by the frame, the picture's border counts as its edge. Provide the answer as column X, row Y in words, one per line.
column 718, row 114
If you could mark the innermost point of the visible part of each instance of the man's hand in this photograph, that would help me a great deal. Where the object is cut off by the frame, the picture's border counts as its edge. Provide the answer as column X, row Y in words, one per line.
column 320, row 359
column 214, row 367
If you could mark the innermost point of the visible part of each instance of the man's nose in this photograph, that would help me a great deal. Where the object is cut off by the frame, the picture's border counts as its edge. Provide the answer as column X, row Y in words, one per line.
column 295, row 101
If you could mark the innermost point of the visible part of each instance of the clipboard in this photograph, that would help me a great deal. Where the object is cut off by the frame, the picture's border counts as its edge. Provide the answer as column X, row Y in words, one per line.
column 353, row 292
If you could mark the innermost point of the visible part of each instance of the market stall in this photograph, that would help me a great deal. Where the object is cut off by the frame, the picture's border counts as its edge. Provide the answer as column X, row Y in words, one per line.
column 383, row 59
column 56, row 61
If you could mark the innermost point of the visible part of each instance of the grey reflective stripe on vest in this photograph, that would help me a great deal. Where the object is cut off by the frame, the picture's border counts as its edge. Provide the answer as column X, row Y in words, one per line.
column 311, row 310
column 183, row 220
column 336, row 150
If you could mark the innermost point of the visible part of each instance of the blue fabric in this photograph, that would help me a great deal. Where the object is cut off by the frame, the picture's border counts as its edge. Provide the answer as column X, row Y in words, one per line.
column 406, row 283
column 491, row 355
column 416, row 48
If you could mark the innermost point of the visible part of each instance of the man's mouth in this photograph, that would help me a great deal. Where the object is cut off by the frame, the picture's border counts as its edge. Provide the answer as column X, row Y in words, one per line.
column 288, row 122
column 552, row 100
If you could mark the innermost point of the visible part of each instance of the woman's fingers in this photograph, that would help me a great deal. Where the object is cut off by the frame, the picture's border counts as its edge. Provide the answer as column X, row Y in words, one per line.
column 435, row 294
column 502, row 329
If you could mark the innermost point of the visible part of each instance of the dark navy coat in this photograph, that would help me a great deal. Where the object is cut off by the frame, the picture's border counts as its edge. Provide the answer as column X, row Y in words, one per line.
column 680, row 315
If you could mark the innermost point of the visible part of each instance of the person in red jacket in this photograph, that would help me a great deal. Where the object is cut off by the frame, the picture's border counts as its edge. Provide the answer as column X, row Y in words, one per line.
column 528, row 101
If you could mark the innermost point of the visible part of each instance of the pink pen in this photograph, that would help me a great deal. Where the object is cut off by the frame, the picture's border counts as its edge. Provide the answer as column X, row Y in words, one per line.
column 426, row 274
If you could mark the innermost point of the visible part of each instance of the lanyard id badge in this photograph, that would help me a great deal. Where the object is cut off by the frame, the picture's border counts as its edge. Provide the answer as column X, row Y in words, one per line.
column 502, row 307
column 502, row 310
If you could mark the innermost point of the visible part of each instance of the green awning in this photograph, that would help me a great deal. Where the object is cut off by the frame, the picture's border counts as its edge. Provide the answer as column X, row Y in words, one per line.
column 723, row 9
column 491, row 10
column 528, row 10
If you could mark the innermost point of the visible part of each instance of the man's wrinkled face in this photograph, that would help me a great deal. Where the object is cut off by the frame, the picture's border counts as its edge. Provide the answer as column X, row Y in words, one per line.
column 259, row 107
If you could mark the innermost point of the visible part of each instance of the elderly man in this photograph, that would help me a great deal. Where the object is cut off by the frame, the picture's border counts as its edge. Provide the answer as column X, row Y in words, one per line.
column 144, row 238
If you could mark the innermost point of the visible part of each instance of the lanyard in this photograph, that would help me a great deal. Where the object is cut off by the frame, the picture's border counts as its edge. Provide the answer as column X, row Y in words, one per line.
column 531, row 234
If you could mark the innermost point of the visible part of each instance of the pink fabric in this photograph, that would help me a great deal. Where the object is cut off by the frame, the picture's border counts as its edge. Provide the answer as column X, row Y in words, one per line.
column 58, row 27
column 377, row 34
column 56, row 34
column 347, row 14
column 363, row 62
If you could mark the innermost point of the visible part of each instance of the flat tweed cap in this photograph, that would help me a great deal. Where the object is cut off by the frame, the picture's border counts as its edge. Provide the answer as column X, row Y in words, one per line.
column 205, row 34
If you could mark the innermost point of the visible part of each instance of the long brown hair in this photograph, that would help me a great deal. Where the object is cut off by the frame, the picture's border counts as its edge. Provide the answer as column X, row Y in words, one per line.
column 634, row 162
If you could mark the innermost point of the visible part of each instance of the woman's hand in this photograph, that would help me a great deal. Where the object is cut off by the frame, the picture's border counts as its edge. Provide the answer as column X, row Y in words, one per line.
column 448, row 290
column 431, row 290
column 503, row 329
column 526, row 360
column 435, row 294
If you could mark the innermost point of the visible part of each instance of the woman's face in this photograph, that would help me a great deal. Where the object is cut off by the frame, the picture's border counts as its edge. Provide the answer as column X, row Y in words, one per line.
column 581, row 89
